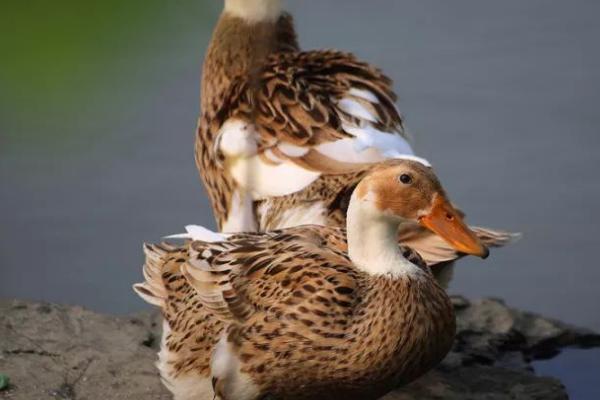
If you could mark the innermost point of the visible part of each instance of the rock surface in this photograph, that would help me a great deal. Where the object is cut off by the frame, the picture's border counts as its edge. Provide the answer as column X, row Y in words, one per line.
column 58, row 352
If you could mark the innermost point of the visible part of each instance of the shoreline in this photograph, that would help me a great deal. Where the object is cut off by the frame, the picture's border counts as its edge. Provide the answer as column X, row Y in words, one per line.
column 68, row 352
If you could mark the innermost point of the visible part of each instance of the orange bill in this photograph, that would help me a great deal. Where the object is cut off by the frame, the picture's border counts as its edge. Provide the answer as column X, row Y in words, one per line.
column 446, row 221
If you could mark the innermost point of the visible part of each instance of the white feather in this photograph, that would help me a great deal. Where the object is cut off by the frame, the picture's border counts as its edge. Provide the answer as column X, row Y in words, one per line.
column 141, row 290
column 370, row 144
column 237, row 138
column 344, row 150
column 355, row 108
column 197, row 232
column 303, row 214
column 265, row 180
column 272, row 157
column 389, row 144
column 411, row 157
column 187, row 386
column 254, row 10
column 241, row 214
column 364, row 94
column 292, row 150
column 271, row 176
column 221, row 360
column 226, row 367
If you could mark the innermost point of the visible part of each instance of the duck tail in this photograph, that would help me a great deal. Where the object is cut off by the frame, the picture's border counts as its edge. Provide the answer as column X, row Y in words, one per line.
column 161, row 270
column 436, row 250
column 495, row 237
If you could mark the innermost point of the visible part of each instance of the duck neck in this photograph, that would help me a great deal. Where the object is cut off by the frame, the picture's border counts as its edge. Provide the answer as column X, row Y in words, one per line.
column 373, row 241
column 247, row 32
column 253, row 11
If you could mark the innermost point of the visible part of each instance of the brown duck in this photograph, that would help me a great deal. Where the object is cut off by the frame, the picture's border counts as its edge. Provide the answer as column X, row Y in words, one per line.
column 310, row 312
column 285, row 135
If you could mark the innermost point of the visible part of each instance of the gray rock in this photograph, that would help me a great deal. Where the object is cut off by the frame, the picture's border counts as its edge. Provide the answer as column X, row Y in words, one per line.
column 492, row 353
column 481, row 383
column 61, row 352
column 51, row 351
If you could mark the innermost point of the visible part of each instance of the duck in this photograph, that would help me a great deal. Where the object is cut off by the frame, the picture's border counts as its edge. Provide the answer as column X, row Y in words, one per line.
column 285, row 135
column 312, row 311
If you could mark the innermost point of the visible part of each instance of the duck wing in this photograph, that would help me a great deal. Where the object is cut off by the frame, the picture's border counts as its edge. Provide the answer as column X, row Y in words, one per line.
column 273, row 273
column 305, row 114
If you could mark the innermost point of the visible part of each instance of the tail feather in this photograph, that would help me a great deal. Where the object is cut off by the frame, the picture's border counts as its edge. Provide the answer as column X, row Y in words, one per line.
column 197, row 232
column 162, row 262
column 495, row 238
column 434, row 250
column 210, row 279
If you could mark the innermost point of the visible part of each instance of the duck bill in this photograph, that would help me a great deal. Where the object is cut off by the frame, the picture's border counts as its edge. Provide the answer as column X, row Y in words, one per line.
column 446, row 221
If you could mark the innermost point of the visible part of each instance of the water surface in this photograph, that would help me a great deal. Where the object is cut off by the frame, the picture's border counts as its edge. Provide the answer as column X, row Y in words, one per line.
column 577, row 370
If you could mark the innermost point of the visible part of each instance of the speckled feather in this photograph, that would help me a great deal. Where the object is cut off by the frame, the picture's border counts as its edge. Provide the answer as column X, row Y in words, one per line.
column 291, row 97
column 334, row 191
column 194, row 330
column 294, row 306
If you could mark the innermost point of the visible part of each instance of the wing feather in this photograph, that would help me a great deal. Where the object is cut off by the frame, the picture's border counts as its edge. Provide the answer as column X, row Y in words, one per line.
column 289, row 118
column 162, row 262
column 271, row 272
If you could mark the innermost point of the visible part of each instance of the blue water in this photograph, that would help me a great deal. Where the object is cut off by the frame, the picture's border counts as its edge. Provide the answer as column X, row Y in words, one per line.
column 577, row 369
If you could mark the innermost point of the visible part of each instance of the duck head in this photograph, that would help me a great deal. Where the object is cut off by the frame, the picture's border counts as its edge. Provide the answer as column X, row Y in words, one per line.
column 407, row 190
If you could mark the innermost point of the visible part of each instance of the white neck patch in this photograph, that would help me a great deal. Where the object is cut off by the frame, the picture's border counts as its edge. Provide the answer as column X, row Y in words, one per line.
column 373, row 241
column 254, row 10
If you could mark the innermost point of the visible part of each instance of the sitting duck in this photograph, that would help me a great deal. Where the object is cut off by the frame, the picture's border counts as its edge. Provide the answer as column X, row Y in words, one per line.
column 310, row 312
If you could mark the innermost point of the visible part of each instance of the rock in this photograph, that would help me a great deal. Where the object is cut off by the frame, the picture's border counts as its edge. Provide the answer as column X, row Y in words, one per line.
column 492, row 353
column 481, row 383
column 489, row 332
column 52, row 351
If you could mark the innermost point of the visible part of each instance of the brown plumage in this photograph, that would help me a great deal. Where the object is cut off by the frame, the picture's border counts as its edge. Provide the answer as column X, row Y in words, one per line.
column 285, row 135
column 310, row 311
column 333, row 193
column 255, row 72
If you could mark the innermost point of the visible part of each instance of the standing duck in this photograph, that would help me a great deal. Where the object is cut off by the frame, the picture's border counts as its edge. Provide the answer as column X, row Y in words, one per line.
column 310, row 312
column 285, row 135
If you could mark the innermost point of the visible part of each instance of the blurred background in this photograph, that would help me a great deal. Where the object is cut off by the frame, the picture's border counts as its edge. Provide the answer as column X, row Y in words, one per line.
column 98, row 109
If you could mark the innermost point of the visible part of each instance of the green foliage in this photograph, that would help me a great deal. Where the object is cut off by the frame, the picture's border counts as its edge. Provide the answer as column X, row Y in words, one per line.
column 60, row 59
column 4, row 382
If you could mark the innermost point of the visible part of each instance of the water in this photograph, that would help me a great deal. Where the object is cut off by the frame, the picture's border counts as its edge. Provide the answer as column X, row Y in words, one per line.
column 97, row 122
column 577, row 370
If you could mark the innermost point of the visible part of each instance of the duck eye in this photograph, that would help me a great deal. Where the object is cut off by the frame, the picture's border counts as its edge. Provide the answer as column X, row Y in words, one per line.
column 405, row 178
